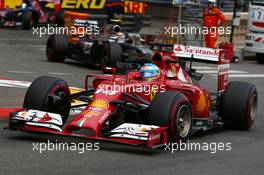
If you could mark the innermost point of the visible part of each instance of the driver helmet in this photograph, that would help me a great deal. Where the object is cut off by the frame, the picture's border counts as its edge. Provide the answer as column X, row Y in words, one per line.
column 150, row 72
column 24, row 5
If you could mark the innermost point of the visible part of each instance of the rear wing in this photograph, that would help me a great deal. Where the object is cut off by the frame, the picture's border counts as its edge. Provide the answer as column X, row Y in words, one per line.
column 197, row 54
column 207, row 55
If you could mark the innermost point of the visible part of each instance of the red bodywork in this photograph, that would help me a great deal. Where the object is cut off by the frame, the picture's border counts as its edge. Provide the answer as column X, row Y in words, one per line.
column 100, row 110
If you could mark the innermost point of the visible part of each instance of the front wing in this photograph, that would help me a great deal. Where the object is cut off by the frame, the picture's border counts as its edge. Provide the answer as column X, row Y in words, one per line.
column 127, row 133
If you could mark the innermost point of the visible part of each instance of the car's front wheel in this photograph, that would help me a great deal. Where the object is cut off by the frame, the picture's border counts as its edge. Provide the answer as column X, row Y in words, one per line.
column 173, row 110
column 48, row 94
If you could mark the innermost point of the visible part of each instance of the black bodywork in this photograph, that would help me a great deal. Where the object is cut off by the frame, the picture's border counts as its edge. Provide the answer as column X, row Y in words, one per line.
column 104, row 50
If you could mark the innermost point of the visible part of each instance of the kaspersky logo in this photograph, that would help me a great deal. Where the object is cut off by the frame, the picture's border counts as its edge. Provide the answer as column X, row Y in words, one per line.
column 79, row 4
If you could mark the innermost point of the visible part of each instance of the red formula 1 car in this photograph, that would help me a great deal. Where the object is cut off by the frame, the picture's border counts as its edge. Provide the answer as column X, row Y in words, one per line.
column 130, row 110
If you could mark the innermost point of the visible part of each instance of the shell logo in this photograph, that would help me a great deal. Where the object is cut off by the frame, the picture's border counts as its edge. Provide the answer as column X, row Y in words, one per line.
column 100, row 104
column 144, row 130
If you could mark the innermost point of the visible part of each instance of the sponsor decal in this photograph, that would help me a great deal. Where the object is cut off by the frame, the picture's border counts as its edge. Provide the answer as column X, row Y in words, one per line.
column 134, row 7
column 100, row 104
column 135, row 131
column 35, row 116
column 104, row 117
column 172, row 72
column 23, row 114
column 223, row 69
column 154, row 136
column 144, row 130
column 80, row 4
column 85, row 23
column 256, row 15
column 81, row 122
column 45, row 118
column 10, row 3
column 202, row 53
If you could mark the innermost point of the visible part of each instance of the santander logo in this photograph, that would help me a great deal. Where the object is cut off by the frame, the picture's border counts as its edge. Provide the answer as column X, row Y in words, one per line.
column 178, row 49
column 197, row 50
column 200, row 53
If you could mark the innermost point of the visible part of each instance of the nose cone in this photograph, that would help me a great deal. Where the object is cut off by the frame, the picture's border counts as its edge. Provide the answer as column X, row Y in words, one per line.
column 90, row 119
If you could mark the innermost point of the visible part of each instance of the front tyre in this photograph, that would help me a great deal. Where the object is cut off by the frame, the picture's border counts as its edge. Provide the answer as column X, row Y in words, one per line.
column 239, row 105
column 38, row 96
column 173, row 110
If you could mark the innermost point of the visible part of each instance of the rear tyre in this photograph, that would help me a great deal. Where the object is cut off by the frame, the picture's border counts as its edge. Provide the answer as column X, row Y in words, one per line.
column 56, row 48
column 173, row 110
column 260, row 58
column 112, row 53
column 27, row 20
column 239, row 105
column 37, row 96
column 96, row 52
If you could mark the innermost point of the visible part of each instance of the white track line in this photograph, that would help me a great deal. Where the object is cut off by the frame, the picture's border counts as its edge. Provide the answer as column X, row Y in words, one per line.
column 23, row 45
column 246, row 75
column 58, row 73
column 19, row 39
column 215, row 72
column 204, row 68
column 19, row 72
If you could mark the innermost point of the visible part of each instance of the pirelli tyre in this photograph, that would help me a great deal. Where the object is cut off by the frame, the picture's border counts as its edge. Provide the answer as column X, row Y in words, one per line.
column 27, row 20
column 56, row 48
column 239, row 105
column 112, row 53
column 96, row 51
column 260, row 58
column 48, row 94
column 173, row 110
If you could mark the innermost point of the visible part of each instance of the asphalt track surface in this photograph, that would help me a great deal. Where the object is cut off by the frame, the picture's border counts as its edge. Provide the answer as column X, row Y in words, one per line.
column 22, row 57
